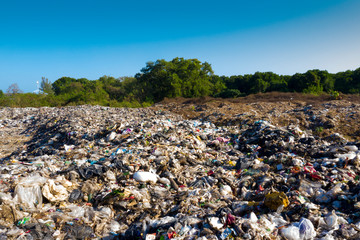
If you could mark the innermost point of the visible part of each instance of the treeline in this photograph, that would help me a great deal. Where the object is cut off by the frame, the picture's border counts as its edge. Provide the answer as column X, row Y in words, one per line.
column 177, row 78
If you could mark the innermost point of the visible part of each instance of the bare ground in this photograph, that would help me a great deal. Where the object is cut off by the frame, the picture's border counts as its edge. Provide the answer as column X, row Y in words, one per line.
column 320, row 114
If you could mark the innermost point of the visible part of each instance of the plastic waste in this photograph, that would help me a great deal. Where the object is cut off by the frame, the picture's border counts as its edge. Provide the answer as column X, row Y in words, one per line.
column 111, row 136
column 215, row 223
column 81, row 175
column 75, row 195
column 53, row 192
column 253, row 217
column 307, row 230
column 76, row 211
column 150, row 236
column 115, row 226
column 226, row 190
column 28, row 191
column 291, row 233
column 76, row 231
column 332, row 220
column 145, row 177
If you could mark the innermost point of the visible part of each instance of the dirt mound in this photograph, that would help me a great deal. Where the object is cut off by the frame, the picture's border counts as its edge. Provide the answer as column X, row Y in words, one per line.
column 319, row 114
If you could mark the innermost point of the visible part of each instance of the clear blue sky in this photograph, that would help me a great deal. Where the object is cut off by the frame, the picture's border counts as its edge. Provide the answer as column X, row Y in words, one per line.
column 95, row 38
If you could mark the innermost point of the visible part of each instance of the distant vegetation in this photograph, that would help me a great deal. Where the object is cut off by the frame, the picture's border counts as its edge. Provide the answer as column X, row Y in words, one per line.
column 177, row 78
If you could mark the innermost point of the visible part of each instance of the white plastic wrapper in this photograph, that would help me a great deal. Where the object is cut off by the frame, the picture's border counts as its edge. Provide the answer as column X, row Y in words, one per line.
column 145, row 177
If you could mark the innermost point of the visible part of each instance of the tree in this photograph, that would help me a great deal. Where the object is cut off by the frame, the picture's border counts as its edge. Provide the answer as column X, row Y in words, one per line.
column 343, row 81
column 61, row 85
column 218, row 85
column 13, row 89
column 1, row 93
column 177, row 78
column 309, row 82
column 46, row 86
column 313, row 82
column 259, row 83
column 355, row 81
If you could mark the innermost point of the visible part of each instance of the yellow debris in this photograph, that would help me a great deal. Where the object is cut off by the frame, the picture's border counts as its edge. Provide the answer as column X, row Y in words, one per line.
column 275, row 200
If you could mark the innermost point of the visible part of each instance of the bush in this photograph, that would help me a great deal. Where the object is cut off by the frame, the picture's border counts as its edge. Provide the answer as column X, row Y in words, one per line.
column 335, row 95
column 312, row 89
column 229, row 93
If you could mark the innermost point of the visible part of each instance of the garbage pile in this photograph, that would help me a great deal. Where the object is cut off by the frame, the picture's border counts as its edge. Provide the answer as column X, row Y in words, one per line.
column 93, row 172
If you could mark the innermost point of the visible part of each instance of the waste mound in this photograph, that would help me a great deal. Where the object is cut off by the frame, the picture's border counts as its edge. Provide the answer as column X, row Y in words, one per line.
column 90, row 172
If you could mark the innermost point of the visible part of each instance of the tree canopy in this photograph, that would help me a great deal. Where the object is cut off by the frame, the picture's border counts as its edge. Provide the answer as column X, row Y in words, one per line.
column 46, row 86
column 178, row 78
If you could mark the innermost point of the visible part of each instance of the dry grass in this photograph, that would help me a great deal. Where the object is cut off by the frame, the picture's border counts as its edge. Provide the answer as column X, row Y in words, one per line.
column 279, row 108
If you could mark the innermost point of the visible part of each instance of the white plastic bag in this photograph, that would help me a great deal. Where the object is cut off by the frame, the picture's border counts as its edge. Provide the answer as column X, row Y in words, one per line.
column 291, row 233
column 76, row 211
column 307, row 230
column 28, row 191
column 332, row 220
column 145, row 177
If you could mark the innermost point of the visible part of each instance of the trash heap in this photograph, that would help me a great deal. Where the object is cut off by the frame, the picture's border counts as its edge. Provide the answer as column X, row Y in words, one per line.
column 93, row 172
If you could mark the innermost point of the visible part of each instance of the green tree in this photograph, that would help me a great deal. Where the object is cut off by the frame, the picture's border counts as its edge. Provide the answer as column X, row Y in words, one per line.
column 80, row 91
column 179, row 77
column 355, row 81
column 309, row 82
column 326, row 80
column 218, row 85
column 343, row 81
column 62, row 85
column 1, row 93
column 259, row 84
column 120, row 89
column 46, row 86
column 313, row 82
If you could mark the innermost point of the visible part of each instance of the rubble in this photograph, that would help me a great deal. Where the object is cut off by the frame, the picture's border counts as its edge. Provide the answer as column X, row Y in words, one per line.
column 91, row 172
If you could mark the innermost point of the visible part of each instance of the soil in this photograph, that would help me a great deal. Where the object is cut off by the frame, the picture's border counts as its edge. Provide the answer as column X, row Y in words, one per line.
column 320, row 114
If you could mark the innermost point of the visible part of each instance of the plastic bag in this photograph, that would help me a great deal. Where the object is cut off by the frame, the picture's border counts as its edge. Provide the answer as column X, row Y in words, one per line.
column 30, row 197
column 28, row 192
column 54, row 193
column 115, row 226
column 105, row 212
column 75, row 195
column 291, row 233
column 215, row 223
column 332, row 220
column 307, row 230
column 226, row 191
column 145, row 177
column 76, row 211
column 253, row 218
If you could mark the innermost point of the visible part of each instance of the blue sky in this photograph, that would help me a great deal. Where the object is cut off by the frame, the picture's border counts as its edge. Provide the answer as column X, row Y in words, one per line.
column 95, row 38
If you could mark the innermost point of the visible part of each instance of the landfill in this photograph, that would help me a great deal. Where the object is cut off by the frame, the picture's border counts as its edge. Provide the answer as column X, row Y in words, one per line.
column 93, row 172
